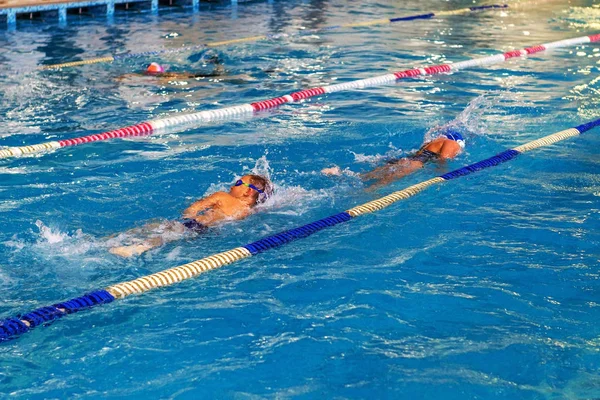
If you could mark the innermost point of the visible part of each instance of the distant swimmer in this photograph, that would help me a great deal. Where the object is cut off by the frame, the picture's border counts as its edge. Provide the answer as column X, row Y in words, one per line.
column 157, row 70
column 158, row 73
column 446, row 146
column 237, row 204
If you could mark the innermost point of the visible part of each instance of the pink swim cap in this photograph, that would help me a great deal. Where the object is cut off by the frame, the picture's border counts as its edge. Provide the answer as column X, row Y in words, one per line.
column 154, row 68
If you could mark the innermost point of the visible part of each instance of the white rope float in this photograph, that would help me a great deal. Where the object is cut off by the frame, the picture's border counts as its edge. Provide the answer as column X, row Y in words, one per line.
column 183, row 120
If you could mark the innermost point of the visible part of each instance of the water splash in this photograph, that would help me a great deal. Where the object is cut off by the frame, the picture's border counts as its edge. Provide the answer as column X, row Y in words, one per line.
column 393, row 152
column 53, row 242
column 285, row 199
column 293, row 200
column 473, row 120
column 587, row 97
column 46, row 234
column 262, row 167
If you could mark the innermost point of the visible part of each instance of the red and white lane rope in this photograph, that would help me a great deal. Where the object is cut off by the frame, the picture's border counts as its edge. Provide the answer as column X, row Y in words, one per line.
column 183, row 120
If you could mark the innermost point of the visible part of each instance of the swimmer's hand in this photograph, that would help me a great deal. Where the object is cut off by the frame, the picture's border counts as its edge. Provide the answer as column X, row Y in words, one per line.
column 130, row 251
column 332, row 171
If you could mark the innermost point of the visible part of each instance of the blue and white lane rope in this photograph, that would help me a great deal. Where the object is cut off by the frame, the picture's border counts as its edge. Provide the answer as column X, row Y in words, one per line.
column 117, row 57
column 15, row 326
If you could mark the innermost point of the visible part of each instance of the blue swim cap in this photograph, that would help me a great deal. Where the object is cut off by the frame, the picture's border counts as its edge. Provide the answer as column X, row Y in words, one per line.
column 454, row 135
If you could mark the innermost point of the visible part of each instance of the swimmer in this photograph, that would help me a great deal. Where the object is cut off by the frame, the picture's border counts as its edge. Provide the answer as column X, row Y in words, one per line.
column 444, row 147
column 237, row 204
column 156, row 72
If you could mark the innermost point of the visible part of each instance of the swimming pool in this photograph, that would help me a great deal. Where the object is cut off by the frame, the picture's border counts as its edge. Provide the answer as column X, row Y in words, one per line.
column 481, row 287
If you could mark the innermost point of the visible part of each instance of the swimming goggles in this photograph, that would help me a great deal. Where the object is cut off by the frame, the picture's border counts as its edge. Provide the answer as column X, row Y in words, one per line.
column 251, row 186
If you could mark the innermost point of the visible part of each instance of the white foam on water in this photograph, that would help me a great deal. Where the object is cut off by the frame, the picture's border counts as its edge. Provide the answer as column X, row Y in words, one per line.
column 53, row 242
column 393, row 152
column 474, row 119
column 288, row 200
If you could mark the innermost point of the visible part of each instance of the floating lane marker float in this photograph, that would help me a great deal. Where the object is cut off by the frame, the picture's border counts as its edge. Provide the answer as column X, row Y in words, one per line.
column 193, row 119
column 109, row 59
column 15, row 326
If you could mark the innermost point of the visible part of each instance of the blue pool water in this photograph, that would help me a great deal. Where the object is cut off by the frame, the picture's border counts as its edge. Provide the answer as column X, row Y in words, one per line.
column 485, row 287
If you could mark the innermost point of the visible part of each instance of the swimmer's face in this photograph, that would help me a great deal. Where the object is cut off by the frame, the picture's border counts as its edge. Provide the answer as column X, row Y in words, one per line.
column 239, row 191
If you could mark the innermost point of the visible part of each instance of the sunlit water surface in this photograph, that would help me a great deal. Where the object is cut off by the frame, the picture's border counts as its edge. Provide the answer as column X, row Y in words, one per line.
column 483, row 287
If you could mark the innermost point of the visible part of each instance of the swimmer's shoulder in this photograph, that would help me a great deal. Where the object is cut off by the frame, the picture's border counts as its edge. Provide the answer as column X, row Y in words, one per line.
column 434, row 146
column 449, row 149
column 220, row 195
column 224, row 198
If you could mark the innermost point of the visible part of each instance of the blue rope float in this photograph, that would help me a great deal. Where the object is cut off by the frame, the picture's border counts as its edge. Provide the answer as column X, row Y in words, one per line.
column 12, row 327
column 487, row 7
column 431, row 15
column 15, row 326
column 42, row 315
column 412, row 17
column 282, row 238
column 478, row 166
column 586, row 127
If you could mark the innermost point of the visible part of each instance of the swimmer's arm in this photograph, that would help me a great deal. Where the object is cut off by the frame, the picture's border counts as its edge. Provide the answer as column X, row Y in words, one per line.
column 389, row 173
column 332, row 171
column 201, row 205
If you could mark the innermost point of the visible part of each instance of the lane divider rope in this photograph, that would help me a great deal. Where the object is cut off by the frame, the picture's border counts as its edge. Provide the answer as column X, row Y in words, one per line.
column 12, row 327
column 192, row 119
column 117, row 57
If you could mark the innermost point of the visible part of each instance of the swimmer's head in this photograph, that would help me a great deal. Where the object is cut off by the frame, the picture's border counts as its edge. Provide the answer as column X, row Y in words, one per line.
column 213, row 59
column 265, row 185
column 154, row 68
column 456, row 136
column 210, row 57
column 260, row 188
